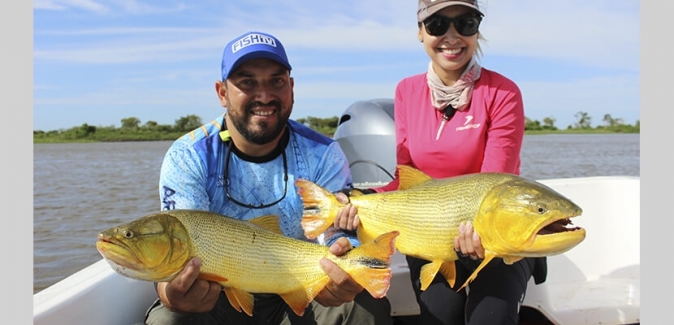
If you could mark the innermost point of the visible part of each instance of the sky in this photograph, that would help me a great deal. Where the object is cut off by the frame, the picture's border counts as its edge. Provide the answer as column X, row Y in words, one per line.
column 100, row 61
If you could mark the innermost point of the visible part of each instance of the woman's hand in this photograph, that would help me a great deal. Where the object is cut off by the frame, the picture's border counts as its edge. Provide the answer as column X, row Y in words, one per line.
column 468, row 242
column 347, row 217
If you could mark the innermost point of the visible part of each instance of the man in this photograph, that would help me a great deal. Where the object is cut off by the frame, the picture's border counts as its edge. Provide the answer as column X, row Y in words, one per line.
column 243, row 165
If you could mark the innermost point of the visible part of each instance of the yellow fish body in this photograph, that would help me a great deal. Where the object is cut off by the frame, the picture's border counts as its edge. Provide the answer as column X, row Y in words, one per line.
column 244, row 257
column 514, row 217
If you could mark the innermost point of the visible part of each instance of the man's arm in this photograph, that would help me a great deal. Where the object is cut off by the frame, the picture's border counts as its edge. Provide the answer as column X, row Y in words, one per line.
column 182, row 186
column 182, row 179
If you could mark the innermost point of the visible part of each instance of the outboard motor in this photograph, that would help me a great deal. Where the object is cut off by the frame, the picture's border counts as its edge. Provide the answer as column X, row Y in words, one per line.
column 366, row 133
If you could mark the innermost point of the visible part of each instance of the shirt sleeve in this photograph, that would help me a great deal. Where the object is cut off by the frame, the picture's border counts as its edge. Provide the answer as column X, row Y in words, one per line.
column 506, row 132
column 333, row 172
column 182, row 179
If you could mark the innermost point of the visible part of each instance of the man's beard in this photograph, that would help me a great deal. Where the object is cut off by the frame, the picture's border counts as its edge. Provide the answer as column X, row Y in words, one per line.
column 265, row 133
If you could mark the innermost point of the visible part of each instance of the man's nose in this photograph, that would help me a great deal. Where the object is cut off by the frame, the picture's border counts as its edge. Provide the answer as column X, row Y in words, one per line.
column 264, row 93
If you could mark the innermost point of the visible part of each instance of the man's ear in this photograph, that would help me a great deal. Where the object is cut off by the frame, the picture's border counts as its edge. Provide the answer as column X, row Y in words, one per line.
column 221, row 90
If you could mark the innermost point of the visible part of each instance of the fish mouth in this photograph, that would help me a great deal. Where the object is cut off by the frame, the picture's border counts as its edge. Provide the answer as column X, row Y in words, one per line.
column 118, row 253
column 556, row 236
column 557, row 226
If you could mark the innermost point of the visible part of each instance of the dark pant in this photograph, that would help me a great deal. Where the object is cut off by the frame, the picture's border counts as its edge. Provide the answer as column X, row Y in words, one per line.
column 493, row 297
column 271, row 309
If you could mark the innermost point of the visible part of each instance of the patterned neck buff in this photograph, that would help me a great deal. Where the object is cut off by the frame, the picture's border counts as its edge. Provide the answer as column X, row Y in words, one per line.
column 456, row 97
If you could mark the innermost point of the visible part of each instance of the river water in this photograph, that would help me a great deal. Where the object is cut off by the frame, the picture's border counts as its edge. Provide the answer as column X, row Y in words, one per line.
column 81, row 189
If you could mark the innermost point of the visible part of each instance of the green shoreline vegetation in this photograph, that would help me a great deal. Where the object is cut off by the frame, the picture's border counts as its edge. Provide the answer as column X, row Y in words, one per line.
column 132, row 130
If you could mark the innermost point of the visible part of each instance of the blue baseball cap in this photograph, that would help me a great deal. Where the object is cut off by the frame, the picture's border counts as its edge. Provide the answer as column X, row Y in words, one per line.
column 252, row 45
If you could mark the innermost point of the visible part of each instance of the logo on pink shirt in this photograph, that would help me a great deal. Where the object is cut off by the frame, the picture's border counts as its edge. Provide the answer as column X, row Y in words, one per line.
column 466, row 124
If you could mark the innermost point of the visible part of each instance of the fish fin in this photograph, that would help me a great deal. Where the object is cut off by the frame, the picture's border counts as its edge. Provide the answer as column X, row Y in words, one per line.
column 232, row 299
column 240, row 300
column 363, row 235
column 488, row 256
column 213, row 277
column 375, row 276
column 355, row 192
column 269, row 222
column 448, row 270
column 317, row 203
column 428, row 272
column 512, row 259
column 409, row 177
column 298, row 300
column 376, row 281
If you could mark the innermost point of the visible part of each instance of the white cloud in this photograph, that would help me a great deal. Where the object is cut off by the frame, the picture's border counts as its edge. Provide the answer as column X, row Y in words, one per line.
column 600, row 35
column 86, row 5
column 125, row 6
column 580, row 33
column 123, row 31
column 137, row 44
column 132, row 51
column 591, row 33
column 47, row 5
column 139, row 8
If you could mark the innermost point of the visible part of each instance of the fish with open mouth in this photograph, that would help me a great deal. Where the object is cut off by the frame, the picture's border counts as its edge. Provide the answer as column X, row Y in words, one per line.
column 515, row 217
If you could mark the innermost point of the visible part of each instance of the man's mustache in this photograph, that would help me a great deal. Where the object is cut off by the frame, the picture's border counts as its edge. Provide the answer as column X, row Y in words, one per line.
column 256, row 104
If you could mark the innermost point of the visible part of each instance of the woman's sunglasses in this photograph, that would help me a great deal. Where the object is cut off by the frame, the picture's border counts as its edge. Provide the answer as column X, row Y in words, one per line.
column 466, row 24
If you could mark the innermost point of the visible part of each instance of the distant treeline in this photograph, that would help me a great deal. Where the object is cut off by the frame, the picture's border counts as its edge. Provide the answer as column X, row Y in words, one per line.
column 584, row 123
column 132, row 130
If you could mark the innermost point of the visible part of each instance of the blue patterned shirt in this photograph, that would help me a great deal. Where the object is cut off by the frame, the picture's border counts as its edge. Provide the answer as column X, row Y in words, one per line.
column 192, row 177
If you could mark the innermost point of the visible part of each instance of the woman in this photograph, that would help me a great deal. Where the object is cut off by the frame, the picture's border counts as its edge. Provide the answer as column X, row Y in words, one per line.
column 459, row 118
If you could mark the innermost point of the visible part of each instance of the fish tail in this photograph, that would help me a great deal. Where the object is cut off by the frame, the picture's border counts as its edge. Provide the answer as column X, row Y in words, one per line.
column 320, row 208
column 374, row 260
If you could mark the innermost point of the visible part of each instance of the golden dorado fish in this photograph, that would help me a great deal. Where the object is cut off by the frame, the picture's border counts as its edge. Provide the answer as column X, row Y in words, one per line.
column 514, row 217
column 245, row 257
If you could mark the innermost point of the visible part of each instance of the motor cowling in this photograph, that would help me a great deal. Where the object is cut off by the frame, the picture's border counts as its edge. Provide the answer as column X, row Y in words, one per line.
column 366, row 134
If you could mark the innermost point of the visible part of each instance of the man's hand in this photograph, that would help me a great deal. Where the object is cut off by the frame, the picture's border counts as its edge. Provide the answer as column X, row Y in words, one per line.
column 186, row 293
column 347, row 217
column 341, row 288
column 468, row 242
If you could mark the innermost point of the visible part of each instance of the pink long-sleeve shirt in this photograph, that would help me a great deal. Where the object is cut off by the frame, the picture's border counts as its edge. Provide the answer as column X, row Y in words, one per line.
column 486, row 137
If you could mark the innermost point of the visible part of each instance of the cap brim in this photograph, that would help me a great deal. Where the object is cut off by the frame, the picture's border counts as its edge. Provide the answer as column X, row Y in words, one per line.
column 257, row 55
column 430, row 10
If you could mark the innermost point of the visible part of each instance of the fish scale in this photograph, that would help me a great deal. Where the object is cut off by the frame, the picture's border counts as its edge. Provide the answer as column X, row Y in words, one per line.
column 251, row 246
column 507, row 212
column 413, row 208
column 245, row 257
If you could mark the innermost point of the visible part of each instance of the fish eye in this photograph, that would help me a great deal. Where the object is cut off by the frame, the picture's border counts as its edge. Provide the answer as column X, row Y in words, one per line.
column 542, row 209
column 128, row 234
